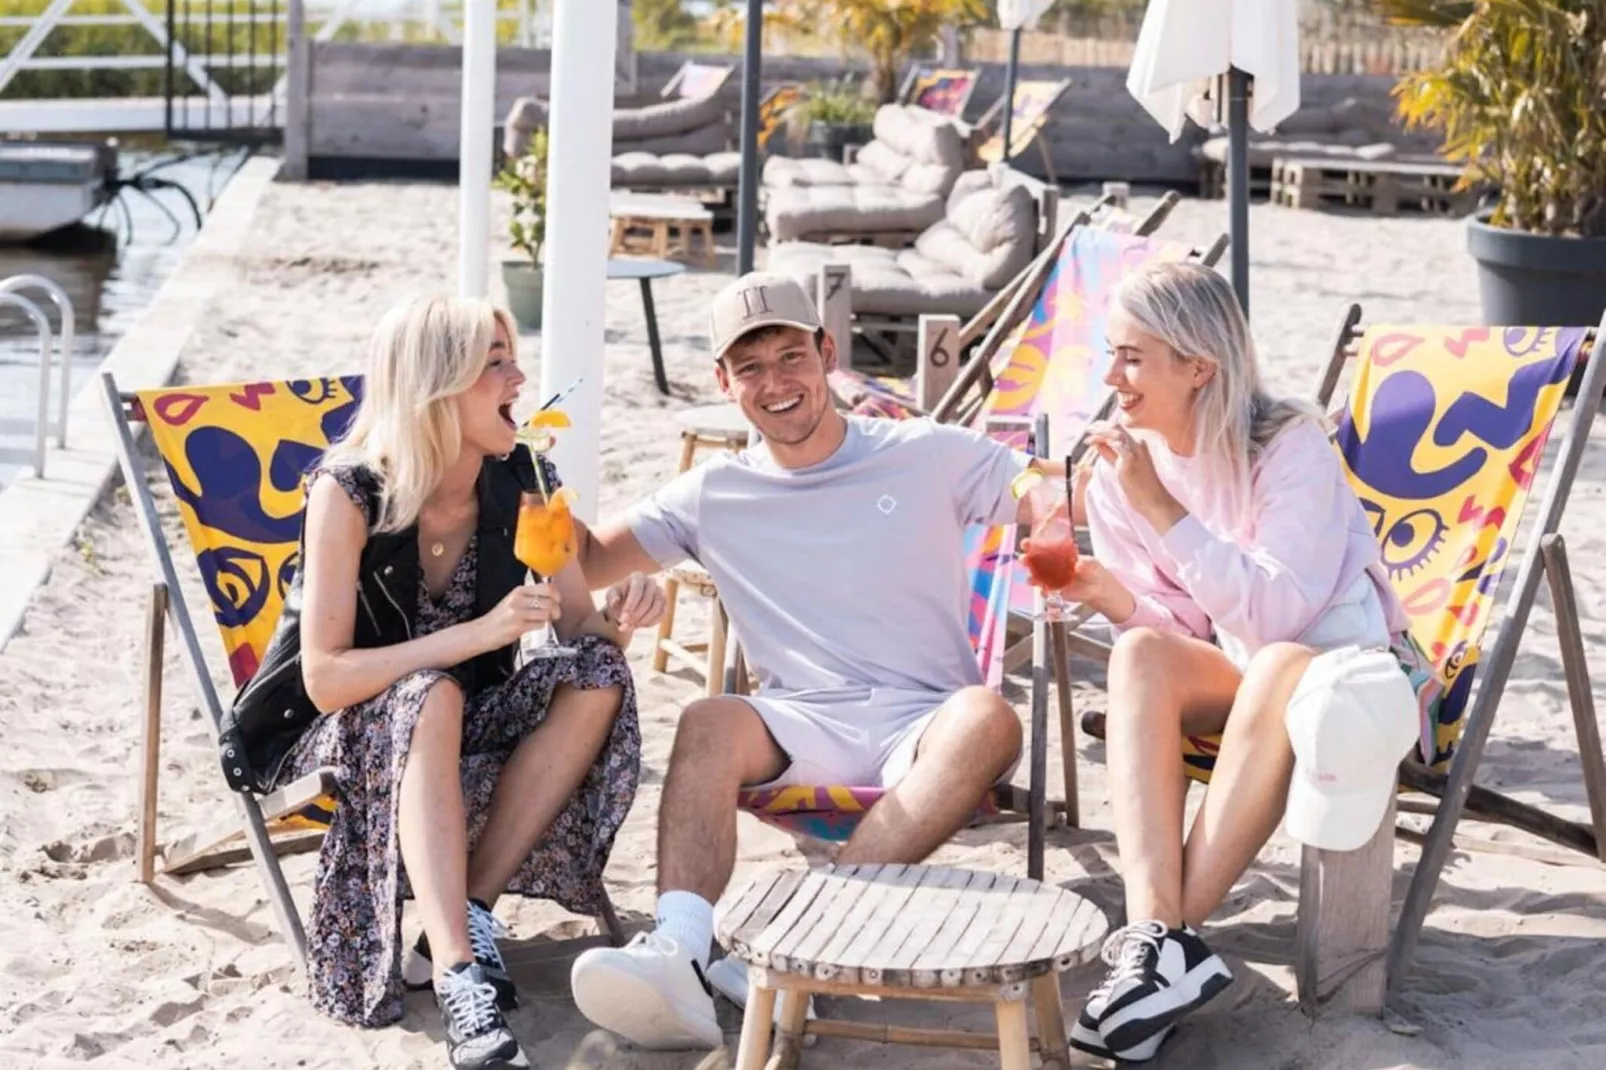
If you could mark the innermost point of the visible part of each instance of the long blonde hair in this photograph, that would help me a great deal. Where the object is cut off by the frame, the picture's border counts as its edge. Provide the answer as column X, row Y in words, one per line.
column 407, row 432
column 1194, row 311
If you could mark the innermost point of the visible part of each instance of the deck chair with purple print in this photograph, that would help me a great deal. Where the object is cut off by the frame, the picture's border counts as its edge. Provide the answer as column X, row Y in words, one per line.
column 235, row 457
column 1049, row 373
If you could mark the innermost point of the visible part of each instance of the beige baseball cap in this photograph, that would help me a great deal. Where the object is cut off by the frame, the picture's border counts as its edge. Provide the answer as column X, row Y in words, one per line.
column 759, row 299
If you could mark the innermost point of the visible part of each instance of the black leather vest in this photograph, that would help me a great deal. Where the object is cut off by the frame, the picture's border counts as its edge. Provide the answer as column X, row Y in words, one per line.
column 272, row 710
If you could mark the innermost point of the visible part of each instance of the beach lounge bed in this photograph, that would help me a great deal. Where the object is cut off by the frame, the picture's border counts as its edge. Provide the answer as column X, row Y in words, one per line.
column 234, row 456
column 895, row 187
column 1469, row 410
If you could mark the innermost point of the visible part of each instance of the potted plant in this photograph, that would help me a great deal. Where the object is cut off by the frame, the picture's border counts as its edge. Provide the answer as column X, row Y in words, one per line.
column 833, row 117
column 524, row 179
column 1521, row 98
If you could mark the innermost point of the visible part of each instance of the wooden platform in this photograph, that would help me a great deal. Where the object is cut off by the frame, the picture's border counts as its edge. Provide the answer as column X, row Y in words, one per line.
column 661, row 226
column 1381, row 187
column 907, row 932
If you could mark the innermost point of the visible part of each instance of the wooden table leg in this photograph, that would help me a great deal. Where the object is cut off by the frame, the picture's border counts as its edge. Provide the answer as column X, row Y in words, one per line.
column 666, row 625
column 1014, row 1037
column 1051, row 1046
column 755, row 1042
column 794, row 1020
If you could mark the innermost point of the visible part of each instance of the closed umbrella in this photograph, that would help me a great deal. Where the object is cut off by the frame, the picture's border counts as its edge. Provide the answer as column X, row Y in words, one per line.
column 1184, row 44
column 747, row 176
column 1013, row 15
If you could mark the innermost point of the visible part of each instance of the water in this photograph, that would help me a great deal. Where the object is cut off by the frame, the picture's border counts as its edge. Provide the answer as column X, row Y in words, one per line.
column 111, row 273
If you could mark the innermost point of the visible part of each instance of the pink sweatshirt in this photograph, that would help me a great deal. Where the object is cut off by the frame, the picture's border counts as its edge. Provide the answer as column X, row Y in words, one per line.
column 1297, row 568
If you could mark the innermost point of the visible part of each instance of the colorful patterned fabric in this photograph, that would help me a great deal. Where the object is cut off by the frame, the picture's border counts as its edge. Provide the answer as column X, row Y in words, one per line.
column 772, row 111
column 943, row 91
column 235, row 456
column 1054, row 362
column 1442, row 437
column 875, row 395
column 1029, row 112
column 825, row 813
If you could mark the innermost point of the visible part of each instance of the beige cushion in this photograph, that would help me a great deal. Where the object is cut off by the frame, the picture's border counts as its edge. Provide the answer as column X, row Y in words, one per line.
column 986, row 234
column 806, row 211
column 885, row 282
column 641, row 169
column 699, row 142
column 1349, row 145
column 668, row 117
column 783, row 171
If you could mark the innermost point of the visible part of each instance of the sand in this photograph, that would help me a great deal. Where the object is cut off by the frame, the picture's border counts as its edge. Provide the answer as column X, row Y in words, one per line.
column 190, row 972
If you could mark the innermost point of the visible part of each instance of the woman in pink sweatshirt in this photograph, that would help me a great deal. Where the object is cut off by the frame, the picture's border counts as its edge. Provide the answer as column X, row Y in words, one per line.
column 1228, row 551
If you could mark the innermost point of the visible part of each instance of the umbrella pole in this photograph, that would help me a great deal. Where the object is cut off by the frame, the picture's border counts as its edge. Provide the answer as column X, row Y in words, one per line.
column 1009, row 87
column 747, row 183
column 1238, row 181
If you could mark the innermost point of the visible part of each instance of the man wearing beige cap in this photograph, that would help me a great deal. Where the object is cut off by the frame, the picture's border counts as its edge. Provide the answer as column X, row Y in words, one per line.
column 837, row 546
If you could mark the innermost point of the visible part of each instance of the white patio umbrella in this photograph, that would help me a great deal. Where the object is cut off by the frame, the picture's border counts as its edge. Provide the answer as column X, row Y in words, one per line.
column 1014, row 15
column 1182, row 45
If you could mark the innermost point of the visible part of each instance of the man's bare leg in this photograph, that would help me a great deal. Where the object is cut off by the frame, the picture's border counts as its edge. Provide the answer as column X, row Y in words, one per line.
column 974, row 737
column 720, row 744
column 655, row 991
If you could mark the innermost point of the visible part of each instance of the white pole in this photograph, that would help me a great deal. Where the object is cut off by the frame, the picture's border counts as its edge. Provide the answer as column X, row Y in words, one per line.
column 474, row 146
column 580, row 147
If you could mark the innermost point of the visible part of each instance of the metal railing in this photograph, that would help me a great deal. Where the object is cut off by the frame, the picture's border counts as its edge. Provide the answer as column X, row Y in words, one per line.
column 64, row 347
column 41, row 326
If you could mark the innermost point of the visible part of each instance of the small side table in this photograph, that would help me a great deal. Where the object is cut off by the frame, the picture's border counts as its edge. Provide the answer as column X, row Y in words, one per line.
column 907, row 932
column 644, row 271
column 661, row 225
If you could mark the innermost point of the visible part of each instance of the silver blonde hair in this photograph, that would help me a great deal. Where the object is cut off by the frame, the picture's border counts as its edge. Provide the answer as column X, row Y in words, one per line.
column 407, row 431
column 1194, row 311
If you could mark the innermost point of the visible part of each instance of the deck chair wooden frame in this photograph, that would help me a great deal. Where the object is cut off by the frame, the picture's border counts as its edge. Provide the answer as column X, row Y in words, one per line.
column 264, row 827
column 689, row 80
column 1026, row 128
column 944, row 342
column 1344, row 896
column 920, row 79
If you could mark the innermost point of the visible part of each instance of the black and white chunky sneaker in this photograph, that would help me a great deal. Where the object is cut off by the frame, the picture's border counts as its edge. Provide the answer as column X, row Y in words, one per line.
column 477, row 1036
column 1157, row 975
column 484, row 930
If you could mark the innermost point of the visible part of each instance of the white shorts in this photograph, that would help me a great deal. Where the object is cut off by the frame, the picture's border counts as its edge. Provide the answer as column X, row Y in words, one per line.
column 864, row 741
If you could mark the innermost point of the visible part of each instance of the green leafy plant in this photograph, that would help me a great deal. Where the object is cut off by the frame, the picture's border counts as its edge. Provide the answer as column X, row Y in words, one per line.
column 1521, row 98
column 525, row 181
column 837, row 105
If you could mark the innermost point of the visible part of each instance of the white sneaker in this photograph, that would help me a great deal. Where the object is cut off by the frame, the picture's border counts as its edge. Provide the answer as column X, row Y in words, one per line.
column 729, row 978
column 651, row 992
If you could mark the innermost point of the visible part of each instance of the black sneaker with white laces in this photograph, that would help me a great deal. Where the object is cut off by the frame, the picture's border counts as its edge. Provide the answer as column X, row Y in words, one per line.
column 477, row 1036
column 1157, row 975
column 484, row 929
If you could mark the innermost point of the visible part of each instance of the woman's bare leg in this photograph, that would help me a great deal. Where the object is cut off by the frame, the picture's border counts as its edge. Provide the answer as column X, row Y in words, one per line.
column 1162, row 687
column 431, row 828
column 1249, row 787
column 536, row 783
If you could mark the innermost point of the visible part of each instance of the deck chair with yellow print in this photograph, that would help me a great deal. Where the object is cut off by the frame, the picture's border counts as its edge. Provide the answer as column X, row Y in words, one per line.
column 235, row 457
column 1442, row 436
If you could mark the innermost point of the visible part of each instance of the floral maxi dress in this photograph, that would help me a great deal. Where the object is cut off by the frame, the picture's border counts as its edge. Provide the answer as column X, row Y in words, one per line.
column 354, row 939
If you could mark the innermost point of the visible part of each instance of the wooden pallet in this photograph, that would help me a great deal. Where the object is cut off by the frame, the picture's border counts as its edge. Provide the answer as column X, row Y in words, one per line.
column 1213, row 180
column 1381, row 187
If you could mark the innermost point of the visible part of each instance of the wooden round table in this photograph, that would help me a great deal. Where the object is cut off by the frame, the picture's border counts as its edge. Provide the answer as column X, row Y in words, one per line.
column 906, row 932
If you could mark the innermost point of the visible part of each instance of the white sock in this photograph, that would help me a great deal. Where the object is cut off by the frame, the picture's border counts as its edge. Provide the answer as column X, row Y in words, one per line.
column 689, row 918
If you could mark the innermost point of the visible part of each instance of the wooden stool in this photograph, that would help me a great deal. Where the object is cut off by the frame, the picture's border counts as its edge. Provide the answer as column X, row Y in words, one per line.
column 907, row 932
column 705, row 427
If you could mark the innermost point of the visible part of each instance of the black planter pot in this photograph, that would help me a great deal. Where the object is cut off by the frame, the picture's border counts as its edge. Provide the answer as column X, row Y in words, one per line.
column 827, row 140
column 1534, row 280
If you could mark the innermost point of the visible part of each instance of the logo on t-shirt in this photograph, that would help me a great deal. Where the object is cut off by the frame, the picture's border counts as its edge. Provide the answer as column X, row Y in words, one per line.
column 887, row 504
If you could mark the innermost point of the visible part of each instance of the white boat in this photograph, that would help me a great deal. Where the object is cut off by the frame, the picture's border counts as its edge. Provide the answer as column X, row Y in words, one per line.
column 46, row 185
